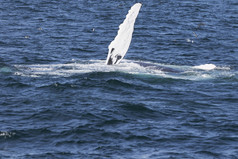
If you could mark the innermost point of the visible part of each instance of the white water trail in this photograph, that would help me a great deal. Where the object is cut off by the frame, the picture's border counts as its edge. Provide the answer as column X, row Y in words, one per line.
column 201, row 72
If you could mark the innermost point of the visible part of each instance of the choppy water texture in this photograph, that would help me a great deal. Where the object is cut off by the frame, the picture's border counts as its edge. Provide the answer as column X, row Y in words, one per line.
column 58, row 99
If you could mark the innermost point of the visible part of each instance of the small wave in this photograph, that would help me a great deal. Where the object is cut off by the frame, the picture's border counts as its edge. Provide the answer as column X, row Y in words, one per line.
column 118, row 83
column 133, row 107
column 6, row 134
column 6, row 69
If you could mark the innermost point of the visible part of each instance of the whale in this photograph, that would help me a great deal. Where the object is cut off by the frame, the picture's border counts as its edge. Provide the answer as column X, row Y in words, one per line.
column 117, row 50
column 121, row 43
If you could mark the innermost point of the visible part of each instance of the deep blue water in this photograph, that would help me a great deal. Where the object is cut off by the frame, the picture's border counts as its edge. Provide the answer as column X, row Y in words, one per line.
column 59, row 100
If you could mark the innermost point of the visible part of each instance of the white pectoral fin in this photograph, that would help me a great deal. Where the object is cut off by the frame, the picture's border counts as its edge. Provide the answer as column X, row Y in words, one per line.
column 120, row 45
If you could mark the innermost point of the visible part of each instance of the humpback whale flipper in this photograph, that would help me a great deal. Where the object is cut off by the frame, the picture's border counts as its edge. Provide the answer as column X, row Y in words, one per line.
column 120, row 45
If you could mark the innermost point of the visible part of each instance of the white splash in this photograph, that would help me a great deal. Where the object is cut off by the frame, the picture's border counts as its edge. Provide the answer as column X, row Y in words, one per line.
column 80, row 67
column 6, row 134
column 206, row 67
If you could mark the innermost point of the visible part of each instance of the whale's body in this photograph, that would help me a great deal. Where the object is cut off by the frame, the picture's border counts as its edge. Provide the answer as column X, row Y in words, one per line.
column 159, row 67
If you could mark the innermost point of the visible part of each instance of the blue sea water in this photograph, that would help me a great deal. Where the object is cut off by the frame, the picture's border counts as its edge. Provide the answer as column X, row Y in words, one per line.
column 59, row 100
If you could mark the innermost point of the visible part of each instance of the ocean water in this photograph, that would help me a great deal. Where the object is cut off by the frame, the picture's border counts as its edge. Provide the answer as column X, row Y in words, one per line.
column 58, row 99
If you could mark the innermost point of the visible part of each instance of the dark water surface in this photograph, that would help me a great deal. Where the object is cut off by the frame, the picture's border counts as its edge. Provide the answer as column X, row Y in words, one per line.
column 59, row 100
